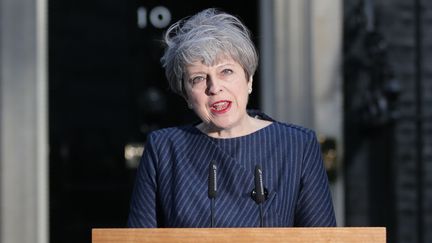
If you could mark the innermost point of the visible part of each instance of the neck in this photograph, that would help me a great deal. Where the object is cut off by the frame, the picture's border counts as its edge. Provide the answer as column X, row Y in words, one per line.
column 248, row 126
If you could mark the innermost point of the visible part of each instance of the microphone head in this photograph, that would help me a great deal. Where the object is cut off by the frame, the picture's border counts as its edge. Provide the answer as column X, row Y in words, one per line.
column 212, row 182
column 259, row 185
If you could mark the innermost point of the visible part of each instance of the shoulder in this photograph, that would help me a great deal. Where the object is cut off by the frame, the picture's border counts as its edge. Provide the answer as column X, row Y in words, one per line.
column 281, row 127
column 293, row 130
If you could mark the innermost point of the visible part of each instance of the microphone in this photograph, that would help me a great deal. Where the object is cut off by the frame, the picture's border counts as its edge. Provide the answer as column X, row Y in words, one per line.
column 259, row 193
column 259, row 185
column 212, row 188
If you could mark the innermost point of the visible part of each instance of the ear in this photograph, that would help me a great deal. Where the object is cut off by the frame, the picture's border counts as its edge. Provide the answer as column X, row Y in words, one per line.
column 250, row 82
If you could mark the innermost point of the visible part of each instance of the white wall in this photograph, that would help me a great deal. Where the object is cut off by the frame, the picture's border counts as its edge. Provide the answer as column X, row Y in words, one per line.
column 23, row 125
column 327, row 58
column 301, row 47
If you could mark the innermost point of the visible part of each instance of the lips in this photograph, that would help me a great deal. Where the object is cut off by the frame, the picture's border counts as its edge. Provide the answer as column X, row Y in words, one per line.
column 221, row 106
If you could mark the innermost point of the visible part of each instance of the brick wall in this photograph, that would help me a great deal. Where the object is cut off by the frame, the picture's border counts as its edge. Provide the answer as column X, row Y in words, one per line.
column 413, row 144
column 409, row 170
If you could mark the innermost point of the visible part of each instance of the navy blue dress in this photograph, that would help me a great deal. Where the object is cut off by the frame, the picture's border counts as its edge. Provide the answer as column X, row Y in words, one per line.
column 172, row 179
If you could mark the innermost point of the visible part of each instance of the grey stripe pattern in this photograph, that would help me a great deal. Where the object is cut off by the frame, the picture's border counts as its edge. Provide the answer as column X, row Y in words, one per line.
column 171, row 181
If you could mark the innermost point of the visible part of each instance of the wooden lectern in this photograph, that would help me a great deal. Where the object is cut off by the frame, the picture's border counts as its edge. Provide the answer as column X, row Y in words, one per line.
column 247, row 235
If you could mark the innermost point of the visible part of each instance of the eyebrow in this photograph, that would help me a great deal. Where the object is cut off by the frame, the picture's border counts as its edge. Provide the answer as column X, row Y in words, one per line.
column 198, row 73
column 225, row 64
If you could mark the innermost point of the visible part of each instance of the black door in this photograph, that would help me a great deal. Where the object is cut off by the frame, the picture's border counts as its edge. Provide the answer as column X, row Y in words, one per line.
column 106, row 92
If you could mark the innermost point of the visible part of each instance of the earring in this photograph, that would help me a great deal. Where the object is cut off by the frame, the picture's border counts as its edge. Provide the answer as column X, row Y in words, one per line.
column 250, row 90
column 189, row 105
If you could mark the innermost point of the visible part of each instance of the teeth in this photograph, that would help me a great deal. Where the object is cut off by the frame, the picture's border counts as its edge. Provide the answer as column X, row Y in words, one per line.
column 220, row 106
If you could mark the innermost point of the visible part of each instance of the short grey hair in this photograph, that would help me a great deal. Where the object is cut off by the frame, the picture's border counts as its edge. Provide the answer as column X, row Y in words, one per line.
column 206, row 36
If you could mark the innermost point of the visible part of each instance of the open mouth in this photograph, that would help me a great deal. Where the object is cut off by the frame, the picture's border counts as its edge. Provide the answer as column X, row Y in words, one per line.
column 220, row 106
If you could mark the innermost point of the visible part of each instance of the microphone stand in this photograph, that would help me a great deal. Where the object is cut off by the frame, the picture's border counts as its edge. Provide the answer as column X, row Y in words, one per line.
column 212, row 224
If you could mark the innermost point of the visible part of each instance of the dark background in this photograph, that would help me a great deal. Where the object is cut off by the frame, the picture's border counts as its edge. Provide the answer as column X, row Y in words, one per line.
column 387, row 70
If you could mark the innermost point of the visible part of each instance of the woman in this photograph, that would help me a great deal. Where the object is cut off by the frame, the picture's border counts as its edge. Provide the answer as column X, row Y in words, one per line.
column 210, row 61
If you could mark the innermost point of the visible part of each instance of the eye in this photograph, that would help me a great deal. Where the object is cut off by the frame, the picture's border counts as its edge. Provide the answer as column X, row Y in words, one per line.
column 197, row 79
column 227, row 71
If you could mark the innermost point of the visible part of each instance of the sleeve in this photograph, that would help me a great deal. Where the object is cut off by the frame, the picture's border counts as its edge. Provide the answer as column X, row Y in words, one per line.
column 142, row 212
column 314, row 206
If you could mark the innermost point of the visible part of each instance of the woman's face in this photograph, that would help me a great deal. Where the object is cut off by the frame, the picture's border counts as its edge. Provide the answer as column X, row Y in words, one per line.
column 218, row 94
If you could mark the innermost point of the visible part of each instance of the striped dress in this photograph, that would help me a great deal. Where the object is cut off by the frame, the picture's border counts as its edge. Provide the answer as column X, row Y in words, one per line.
column 172, row 180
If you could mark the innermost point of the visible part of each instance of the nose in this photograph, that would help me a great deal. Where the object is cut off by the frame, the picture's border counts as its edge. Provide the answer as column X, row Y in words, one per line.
column 213, row 86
